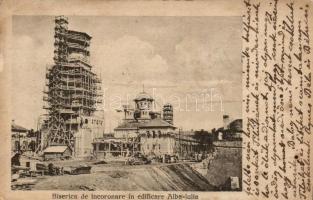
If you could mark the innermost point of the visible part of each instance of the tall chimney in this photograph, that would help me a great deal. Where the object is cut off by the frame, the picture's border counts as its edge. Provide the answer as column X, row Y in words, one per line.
column 226, row 121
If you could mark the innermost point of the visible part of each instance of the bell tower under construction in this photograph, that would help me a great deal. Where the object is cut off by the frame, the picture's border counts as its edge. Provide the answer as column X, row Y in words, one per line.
column 73, row 94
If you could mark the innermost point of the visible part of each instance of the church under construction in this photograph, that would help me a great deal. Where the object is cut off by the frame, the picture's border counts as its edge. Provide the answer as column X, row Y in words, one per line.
column 149, row 132
column 72, row 95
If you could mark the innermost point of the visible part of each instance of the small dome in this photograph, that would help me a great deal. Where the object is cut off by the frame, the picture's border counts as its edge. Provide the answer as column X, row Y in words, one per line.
column 143, row 96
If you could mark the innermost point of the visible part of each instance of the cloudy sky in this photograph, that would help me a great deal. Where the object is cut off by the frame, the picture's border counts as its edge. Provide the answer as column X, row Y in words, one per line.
column 191, row 62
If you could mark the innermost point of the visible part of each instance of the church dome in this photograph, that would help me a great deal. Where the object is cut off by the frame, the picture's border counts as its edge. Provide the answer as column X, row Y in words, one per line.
column 143, row 96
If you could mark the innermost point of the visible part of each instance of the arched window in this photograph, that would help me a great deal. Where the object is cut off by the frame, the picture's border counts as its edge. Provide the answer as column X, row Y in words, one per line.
column 159, row 133
column 153, row 134
column 148, row 134
column 25, row 145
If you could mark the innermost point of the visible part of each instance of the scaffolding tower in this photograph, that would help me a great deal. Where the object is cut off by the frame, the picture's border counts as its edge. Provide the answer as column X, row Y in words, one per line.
column 72, row 89
column 168, row 113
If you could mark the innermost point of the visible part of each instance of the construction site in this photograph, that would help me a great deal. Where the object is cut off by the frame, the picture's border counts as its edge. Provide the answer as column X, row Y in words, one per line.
column 71, row 150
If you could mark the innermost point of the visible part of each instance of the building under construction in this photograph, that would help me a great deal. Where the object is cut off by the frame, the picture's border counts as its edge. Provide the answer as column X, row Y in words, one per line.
column 72, row 95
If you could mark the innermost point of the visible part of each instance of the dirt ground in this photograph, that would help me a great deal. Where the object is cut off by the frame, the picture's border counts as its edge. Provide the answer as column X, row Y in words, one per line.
column 116, row 176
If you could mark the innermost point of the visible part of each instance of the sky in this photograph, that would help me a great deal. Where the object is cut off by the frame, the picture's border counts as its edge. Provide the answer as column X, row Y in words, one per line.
column 194, row 63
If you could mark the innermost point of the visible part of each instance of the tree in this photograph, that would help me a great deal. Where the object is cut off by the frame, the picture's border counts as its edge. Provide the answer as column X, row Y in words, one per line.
column 205, row 138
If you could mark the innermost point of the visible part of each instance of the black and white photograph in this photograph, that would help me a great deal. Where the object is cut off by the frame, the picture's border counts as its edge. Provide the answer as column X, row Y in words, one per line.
column 126, row 103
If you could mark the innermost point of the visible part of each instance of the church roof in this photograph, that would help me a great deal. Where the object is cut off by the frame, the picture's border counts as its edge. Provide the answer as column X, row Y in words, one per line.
column 156, row 123
column 143, row 96
column 127, row 125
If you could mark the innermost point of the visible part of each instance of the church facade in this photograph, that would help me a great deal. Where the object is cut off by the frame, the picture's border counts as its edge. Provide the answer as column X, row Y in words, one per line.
column 145, row 130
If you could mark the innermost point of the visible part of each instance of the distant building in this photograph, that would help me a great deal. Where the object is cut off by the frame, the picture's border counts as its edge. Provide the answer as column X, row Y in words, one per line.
column 231, row 130
column 19, row 139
